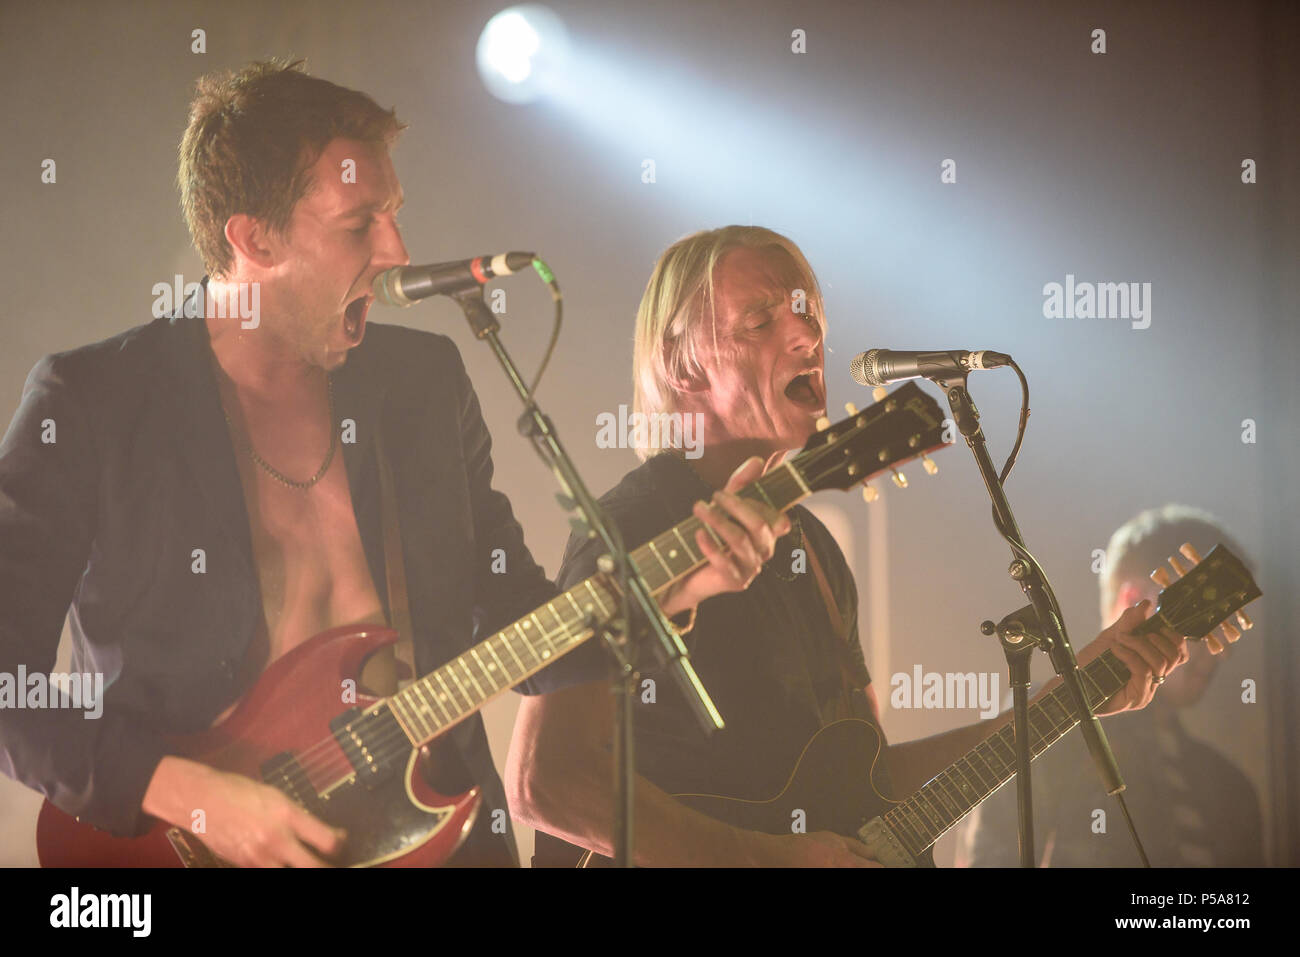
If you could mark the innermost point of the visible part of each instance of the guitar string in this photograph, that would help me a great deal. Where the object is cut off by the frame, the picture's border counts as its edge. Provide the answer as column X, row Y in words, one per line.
column 1059, row 729
column 1056, row 730
column 1181, row 599
column 391, row 740
column 327, row 756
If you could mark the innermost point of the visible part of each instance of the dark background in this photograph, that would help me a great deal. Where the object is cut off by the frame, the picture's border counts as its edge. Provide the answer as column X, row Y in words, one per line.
column 1116, row 168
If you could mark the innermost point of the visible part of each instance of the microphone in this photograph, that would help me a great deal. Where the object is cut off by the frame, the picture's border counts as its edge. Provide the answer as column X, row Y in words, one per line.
column 881, row 366
column 402, row 285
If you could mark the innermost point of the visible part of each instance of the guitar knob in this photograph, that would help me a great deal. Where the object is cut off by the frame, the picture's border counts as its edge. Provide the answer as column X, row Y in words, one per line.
column 1213, row 643
column 1230, row 631
column 869, row 494
column 1179, row 568
column 930, row 467
column 850, row 408
column 1190, row 553
column 1160, row 577
column 879, row 392
column 823, row 424
column 899, row 478
column 1243, row 619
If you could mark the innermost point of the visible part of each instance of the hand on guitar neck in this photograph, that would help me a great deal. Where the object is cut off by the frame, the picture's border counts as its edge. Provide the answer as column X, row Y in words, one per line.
column 1149, row 657
column 247, row 823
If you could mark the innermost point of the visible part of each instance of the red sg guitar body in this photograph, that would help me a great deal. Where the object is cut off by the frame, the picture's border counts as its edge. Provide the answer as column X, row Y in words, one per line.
column 280, row 733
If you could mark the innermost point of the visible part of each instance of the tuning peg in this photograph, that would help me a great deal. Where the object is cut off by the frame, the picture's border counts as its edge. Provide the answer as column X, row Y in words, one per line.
column 823, row 424
column 869, row 494
column 1190, row 553
column 879, row 392
column 930, row 467
column 1243, row 619
column 1161, row 577
column 1179, row 568
column 899, row 478
column 850, row 408
column 1213, row 643
column 1230, row 631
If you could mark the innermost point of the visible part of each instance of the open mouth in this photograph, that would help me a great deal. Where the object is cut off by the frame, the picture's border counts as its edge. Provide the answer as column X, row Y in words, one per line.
column 806, row 391
column 354, row 319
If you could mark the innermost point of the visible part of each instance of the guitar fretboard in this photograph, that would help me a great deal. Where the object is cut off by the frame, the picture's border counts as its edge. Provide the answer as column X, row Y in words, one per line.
column 954, row 792
column 460, row 687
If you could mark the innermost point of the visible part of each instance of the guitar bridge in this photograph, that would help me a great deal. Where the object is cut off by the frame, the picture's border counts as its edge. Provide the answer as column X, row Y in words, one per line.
column 885, row 847
column 192, row 851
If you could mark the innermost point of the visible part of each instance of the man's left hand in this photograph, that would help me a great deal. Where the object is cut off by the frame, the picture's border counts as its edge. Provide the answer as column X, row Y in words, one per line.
column 1149, row 658
column 749, row 531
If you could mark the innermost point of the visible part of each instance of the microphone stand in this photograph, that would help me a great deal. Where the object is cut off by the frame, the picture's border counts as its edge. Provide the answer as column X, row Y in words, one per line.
column 642, row 622
column 1025, row 570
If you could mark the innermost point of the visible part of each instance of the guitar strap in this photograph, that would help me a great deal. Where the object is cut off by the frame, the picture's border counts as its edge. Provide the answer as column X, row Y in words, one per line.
column 399, row 611
column 839, row 625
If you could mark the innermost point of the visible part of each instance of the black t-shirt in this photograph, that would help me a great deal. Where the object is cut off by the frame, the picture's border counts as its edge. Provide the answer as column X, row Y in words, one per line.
column 769, row 657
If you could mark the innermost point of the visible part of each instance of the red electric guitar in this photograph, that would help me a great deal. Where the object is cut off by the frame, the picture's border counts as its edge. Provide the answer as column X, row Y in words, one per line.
column 356, row 768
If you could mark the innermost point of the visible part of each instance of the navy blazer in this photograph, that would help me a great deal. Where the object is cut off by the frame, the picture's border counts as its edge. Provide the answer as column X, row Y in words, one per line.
column 142, row 471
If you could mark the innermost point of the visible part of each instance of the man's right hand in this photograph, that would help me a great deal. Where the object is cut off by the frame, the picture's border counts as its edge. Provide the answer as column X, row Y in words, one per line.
column 818, row 849
column 247, row 823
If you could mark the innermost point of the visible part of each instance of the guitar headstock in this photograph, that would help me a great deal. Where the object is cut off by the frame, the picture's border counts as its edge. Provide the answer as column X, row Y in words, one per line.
column 1205, row 596
column 905, row 424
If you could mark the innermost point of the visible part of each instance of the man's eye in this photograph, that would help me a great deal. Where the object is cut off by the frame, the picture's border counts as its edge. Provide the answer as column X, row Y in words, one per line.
column 360, row 230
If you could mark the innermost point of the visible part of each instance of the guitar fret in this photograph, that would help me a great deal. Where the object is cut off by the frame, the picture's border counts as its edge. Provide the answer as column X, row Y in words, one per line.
column 460, row 660
column 421, row 689
column 1002, row 740
column 977, row 753
column 927, row 807
column 994, row 761
column 451, row 673
column 403, row 719
column 505, row 640
column 897, row 822
column 667, row 570
column 942, row 797
column 687, row 548
column 427, row 717
column 961, row 800
column 504, row 668
column 447, row 695
column 916, row 830
column 596, row 597
column 798, row 478
column 546, row 653
column 485, row 670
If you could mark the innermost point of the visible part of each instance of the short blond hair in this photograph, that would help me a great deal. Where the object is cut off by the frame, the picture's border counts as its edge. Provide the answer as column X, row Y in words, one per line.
column 670, row 318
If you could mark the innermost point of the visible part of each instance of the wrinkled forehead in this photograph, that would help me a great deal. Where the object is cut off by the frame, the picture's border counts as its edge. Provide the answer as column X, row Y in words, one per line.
column 753, row 275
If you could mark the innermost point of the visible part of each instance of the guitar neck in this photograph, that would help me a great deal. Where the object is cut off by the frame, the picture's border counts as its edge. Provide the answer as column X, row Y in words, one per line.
column 460, row 687
column 954, row 792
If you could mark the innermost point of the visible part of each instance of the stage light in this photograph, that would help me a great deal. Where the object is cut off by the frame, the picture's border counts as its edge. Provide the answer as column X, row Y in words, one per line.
column 521, row 51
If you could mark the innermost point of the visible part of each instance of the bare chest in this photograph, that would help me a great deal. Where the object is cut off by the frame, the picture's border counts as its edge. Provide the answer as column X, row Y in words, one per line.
column 307, row 549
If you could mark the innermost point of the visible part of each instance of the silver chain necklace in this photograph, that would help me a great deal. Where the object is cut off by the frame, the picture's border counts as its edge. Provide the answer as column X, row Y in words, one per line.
column 270, row 469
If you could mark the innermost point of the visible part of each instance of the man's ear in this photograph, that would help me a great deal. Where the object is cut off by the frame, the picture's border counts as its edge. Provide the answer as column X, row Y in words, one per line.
column 249, row 238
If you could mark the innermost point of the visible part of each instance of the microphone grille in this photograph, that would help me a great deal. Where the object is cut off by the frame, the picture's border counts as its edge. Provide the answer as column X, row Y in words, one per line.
column 863, row 368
